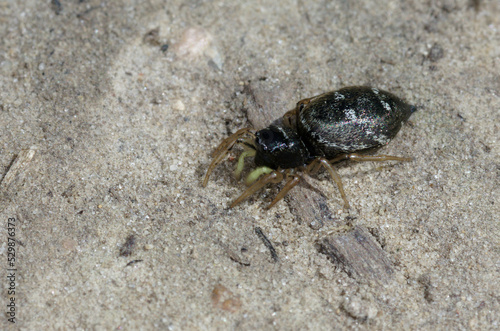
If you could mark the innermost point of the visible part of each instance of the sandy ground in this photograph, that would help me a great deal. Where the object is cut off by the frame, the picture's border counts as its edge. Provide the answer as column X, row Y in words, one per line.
column 108, row 114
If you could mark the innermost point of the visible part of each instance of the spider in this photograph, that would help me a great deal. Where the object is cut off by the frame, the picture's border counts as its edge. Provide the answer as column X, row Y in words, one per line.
column 319, row 132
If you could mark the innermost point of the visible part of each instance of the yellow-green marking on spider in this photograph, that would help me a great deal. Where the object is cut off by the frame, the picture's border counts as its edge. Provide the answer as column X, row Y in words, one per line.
column 241, row 162
column 256, row 173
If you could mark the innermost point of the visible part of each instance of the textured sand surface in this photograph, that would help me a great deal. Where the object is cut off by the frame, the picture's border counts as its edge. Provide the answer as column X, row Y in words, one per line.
column 109, row 112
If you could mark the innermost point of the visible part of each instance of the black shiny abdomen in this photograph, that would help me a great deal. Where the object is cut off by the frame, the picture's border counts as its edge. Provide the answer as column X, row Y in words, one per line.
column 352, row 119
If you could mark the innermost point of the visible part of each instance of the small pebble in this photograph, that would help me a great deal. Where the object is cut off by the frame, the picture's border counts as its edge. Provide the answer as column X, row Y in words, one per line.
column 193, row 42
column 179, row 105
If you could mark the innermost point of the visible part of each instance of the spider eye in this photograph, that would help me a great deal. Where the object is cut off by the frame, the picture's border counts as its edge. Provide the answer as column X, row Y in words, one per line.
column 265, row 137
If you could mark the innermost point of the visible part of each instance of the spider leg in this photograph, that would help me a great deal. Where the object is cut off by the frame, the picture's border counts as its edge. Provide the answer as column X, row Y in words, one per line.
column 322, row 162
column 304, row 102
column 291, row 183
column 227, row 143
column 376, row 158
column 274, row 177
column 314, row 166
column 290, row 117
column 221, row 151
